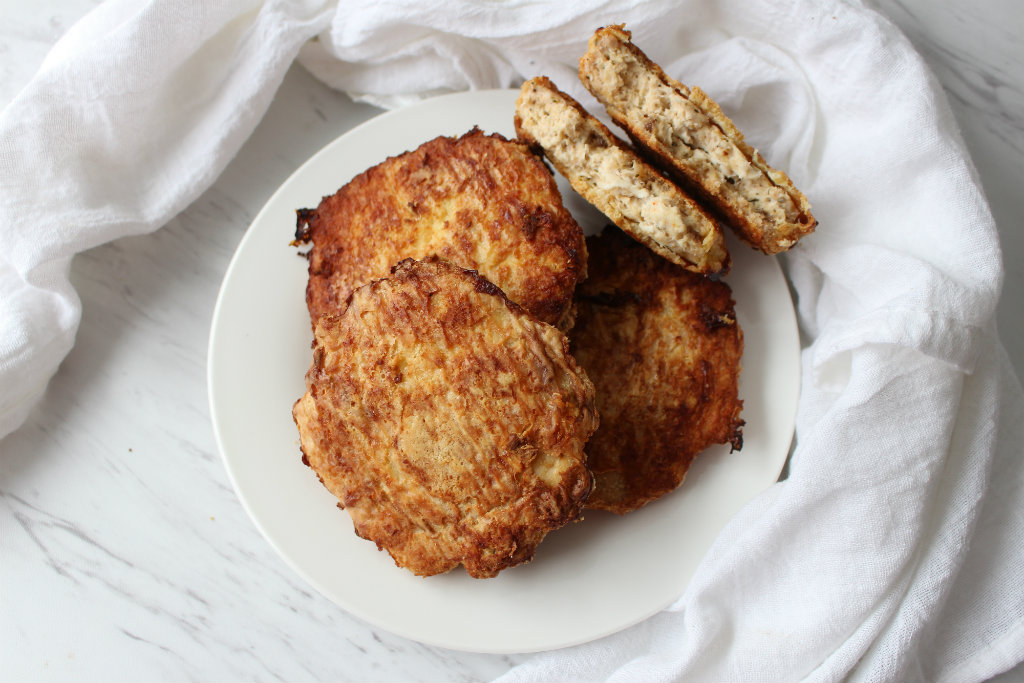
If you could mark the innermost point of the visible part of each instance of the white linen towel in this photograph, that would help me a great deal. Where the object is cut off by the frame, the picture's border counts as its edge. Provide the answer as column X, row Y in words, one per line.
column 893, row 551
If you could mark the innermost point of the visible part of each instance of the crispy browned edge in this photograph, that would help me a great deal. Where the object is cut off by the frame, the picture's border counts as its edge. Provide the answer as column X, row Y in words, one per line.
column 612, row 139
column 746, row 226
column 661, row 464
column 551, row 307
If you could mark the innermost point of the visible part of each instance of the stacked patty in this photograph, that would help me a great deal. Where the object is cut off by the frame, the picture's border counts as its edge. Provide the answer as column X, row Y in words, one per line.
column 480, row 201
column 448, row 421
column 662, row 347
column 445, row 407
column 442, row 406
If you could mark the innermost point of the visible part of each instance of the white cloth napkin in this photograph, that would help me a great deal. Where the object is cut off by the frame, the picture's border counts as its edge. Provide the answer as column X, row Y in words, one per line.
column 894, row 549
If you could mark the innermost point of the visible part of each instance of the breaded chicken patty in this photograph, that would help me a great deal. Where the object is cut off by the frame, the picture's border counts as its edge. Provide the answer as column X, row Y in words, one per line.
column 609, row 175
column 479, row 201
column 662, row 347
column 449, row 422
column 686, row 133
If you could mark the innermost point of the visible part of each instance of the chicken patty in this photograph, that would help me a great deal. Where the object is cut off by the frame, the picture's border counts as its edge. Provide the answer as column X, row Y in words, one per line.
column 663, row 348
column 479, row 201
column 609, row 175
column 449, row 422
column 686, row 134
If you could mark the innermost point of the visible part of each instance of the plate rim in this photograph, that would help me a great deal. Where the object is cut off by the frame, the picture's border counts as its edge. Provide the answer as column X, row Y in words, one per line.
column 441, row 101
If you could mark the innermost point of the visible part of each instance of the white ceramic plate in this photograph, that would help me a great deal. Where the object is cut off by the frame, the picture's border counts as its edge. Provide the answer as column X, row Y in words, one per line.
column 589, row 579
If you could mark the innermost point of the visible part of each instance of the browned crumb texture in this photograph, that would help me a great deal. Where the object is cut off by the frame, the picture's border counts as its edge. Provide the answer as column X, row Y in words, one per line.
column 609, row 175
column 663, row 348
column 449, row 423
column 479, row 201
column 685, row 133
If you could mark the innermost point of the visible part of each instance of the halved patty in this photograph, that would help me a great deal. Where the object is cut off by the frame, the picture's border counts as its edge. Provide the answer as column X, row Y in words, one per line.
column 448, row 421
column 479, row 201
column 605, row 172
column 686, row 133
column 663, row 348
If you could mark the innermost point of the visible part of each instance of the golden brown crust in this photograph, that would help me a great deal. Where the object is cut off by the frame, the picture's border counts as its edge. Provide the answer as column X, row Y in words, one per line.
column 480, row 201
column 684, row 132
column 662, row 347
column 448, row 421
column 610, row 175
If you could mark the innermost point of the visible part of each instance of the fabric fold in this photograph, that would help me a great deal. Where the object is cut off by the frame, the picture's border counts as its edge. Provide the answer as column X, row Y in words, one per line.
column 132, row 115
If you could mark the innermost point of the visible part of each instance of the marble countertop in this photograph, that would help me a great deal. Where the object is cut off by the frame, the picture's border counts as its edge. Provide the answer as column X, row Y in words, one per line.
column 87, row 593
